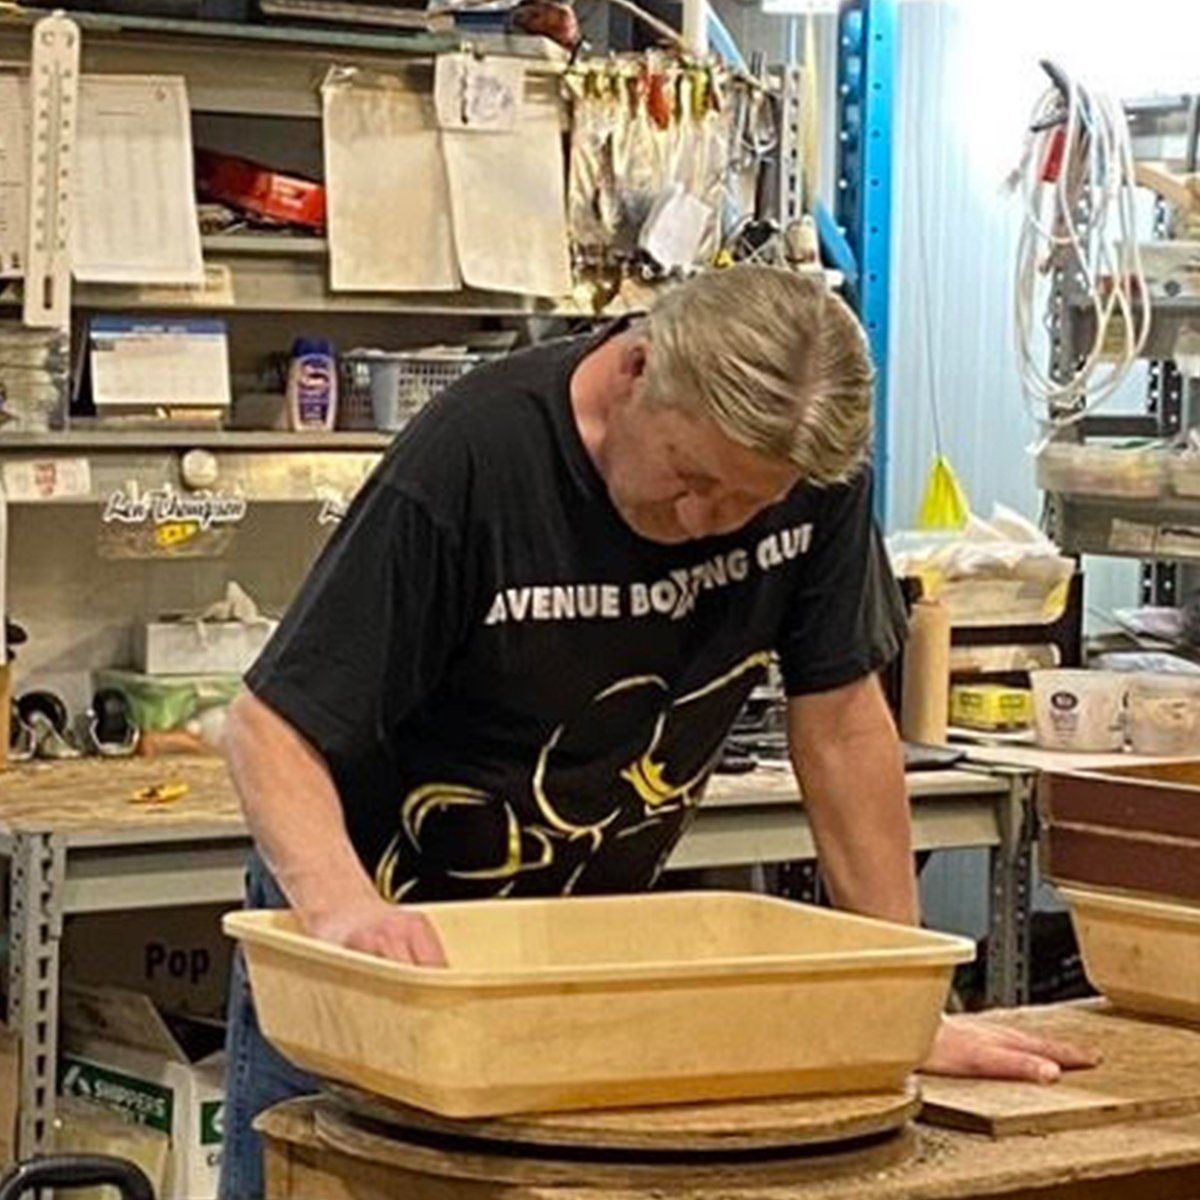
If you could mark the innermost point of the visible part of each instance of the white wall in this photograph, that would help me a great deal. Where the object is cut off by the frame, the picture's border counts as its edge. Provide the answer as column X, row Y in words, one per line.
column 968, row 76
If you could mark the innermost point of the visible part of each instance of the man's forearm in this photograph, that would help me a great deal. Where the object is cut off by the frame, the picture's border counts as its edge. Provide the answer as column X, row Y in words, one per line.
column 292, row 807
column 850, row 766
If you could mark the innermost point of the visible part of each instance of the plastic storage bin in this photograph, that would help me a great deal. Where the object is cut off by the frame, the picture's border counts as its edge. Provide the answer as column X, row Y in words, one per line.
column 1164, row 715
column 1098, row 470
column 1144, row 955
column 604, row 1002
column 399, row 384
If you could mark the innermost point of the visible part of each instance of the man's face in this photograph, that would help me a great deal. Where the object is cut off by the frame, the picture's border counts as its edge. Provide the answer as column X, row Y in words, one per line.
column 674, row 477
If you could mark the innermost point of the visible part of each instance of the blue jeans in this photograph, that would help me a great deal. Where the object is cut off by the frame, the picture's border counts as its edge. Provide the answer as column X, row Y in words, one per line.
column 256, row 1074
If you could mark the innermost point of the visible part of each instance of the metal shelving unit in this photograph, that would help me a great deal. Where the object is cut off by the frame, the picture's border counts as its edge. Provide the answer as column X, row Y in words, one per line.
column 867, row 38
column 1162, row 532
column 259, row 72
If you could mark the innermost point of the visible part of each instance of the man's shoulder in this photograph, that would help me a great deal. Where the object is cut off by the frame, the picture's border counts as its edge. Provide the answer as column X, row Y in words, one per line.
column 494, row 425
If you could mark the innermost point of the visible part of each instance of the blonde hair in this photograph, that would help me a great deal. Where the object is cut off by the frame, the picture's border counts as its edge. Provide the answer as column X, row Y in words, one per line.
column 778, row 361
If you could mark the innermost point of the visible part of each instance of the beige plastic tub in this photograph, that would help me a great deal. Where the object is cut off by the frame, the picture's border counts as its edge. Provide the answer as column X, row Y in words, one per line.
column 1142, row 954
column 608, row 1002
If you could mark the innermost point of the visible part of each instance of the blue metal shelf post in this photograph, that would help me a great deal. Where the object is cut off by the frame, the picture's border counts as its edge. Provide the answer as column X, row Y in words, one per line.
column 863, row 208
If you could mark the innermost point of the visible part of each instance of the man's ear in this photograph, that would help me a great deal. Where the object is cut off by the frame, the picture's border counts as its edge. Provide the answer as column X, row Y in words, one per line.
column 635, row 355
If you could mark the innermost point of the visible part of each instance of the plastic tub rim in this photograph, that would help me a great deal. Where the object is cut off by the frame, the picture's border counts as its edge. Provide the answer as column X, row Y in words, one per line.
column 940, row 949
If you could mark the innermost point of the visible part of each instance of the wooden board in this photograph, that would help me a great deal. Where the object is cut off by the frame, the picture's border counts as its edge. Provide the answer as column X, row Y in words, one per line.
column 687, row 1128
column 1161, row 799
column 1151, row 863
column 94, row 794
column 1149, row 1070
column 509, row 1166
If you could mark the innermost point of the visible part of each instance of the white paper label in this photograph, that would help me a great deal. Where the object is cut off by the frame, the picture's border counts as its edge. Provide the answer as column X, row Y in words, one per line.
column 1131, row 537
column 484, row 95
column 48, row 479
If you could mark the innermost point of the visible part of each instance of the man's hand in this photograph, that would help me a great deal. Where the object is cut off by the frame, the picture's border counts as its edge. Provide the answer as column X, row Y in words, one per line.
column 379, row 928
column 970, row 1046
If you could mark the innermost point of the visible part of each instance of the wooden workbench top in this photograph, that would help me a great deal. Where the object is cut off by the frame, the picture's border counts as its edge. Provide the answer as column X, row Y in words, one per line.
column 1157, row 1155
column 95, row 794
column 1033, row 758
column 1134, row 1159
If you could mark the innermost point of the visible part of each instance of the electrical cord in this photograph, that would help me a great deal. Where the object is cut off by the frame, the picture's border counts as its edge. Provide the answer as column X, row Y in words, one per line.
column 1084, row 220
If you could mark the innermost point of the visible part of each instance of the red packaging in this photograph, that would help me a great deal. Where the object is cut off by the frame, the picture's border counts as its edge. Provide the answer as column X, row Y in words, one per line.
column 260, row 191
column 1053, row 159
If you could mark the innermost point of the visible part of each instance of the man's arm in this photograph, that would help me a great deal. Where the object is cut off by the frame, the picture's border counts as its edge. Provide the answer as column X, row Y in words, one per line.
column 850, row 767
column 292, row 807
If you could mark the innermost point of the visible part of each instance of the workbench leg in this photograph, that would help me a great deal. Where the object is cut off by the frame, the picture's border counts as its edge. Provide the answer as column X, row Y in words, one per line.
column 35, row 925
column 799, row 881
column 1010, row 916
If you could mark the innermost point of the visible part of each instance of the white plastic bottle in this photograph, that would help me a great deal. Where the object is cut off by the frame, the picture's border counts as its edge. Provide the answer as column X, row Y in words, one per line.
column 312, row 385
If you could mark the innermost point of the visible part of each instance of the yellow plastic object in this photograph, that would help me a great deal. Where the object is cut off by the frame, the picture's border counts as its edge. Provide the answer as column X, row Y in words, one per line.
column 160, row 793
column 990, row 706
column 944, row 504
column 603, row 1002
column 1144, row 955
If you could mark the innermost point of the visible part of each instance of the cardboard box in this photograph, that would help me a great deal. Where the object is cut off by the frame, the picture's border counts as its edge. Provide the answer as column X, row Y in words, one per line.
column 191, row 648
column 10, row 1095
column 177, row 956
column 82, row 1127
column 120, row 1051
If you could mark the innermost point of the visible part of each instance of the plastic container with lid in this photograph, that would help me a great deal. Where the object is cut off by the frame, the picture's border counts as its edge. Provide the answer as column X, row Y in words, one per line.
column 1164, row 714
column 1079, row 710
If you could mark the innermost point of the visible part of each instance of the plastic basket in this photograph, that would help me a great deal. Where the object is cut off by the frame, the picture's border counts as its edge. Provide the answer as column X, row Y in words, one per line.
column 382, row 390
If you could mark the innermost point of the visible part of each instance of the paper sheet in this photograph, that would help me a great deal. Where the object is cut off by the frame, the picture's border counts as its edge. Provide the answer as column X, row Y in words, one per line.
column 483, row 94
column 135, row 207
column 509, row 202
column 388, row 202
column 172, row 364
column 14, row 173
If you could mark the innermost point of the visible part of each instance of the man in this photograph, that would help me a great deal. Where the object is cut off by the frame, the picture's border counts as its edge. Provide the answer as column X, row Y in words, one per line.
column 513, row 668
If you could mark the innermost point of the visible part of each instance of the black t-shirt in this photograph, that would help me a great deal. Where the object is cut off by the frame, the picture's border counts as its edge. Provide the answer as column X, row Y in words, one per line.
column 517, row 694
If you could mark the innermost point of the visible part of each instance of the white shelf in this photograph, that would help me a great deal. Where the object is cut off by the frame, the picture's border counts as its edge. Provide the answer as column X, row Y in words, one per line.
column 269, row 70
column 1166, row 528
column 217, row 245
column 275, row 279
column 263, row 467
column 91, row 441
